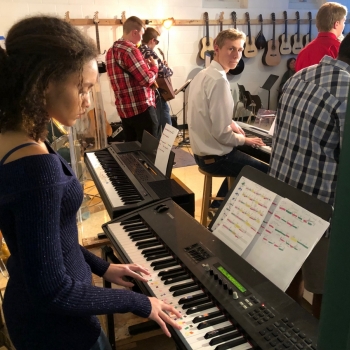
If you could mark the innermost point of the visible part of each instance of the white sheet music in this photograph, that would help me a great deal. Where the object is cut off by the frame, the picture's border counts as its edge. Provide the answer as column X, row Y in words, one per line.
column 285, row 243
column 243, row 214
column 274, row 234
column 164, row 148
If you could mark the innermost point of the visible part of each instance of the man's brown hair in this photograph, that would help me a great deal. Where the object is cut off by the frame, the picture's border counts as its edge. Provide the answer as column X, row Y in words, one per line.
column 131, row 24
column 228, row 34
column 328, row 14
column 150, row 33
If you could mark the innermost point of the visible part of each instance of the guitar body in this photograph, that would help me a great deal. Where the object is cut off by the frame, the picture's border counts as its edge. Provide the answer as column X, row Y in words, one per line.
column 205, row 45
column 297, row 45
column 239, row 68
column 306, row 39
column 250, row 50
column 285, row 47
column 271, row 56
column 260, row 41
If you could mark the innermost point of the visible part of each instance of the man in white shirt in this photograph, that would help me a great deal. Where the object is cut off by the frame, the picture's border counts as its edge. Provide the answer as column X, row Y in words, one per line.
column 213, row 135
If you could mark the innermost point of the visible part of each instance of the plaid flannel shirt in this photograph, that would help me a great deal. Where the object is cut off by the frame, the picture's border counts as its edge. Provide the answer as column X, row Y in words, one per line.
column 309, row 128
column 132, row 90
column 163, row 70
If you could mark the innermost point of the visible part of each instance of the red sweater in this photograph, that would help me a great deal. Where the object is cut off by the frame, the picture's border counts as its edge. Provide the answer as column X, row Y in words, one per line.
column 325, row 44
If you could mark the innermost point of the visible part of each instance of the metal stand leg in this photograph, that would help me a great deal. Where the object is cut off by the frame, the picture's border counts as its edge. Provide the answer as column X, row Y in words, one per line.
column 107, row 254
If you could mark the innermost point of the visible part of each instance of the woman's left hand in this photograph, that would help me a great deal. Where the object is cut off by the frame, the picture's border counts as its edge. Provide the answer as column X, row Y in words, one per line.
column 116, row 272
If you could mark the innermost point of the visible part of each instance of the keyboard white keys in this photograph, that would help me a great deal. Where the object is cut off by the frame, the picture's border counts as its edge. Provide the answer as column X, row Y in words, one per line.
column 111, row 193
column 190, row 331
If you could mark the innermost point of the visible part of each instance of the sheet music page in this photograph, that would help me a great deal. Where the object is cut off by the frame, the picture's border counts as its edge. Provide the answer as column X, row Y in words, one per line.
column 244, row 213
column 164, row 148
column 272, row 129
column 285, row 243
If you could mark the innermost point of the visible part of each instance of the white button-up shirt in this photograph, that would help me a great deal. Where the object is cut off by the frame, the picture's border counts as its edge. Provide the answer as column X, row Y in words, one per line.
column 209, row 114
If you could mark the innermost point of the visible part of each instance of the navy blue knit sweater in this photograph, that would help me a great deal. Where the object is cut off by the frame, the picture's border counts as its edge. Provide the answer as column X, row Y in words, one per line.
column 49, row 301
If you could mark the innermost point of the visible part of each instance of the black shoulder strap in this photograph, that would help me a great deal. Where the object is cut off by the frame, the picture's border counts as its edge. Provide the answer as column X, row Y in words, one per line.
column 3, row 160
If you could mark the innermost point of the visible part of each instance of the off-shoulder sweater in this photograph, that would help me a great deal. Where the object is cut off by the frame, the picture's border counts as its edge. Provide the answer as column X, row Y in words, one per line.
column 49, row 301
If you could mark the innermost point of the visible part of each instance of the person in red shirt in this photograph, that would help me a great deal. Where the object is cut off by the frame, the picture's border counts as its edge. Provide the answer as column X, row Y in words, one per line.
column 330, row 22
column 132, row 79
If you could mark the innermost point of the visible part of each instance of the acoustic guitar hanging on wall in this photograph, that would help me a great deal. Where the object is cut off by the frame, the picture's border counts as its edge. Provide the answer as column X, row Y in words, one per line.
column 260, row 41
column 285, row 47
column 272, row 56
column 250, row 49
column 297, row 45
column 307, row 38
column 100, row 59
column 206, row 43
column 240, row 66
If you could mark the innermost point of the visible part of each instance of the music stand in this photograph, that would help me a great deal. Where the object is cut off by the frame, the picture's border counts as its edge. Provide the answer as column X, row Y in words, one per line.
column 268, row 85
column 185, row 141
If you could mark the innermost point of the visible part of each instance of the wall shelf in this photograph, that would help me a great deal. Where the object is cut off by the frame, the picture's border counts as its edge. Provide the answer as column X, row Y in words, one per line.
column 186, row 22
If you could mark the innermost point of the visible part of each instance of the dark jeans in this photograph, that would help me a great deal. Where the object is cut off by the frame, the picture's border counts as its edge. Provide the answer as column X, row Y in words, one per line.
column 134, row 126
column 102, row 343
column 163, row 114
column 230, row 164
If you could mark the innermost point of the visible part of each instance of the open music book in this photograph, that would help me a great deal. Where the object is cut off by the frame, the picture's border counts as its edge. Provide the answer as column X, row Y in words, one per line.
column 272, row 233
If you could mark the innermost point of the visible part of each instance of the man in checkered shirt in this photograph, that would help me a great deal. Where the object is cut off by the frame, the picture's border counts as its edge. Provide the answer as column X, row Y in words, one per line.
column 132, row 78
column 306, row 147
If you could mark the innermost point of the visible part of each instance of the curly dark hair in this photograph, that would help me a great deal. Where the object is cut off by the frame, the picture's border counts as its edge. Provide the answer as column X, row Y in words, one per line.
column 39, row 50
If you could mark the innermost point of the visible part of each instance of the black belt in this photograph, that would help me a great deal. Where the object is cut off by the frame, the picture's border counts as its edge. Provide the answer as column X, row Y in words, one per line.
column 209, row 159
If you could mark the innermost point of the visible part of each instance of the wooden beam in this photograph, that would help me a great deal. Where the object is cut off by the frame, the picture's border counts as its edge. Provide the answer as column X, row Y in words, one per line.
column 186, row 22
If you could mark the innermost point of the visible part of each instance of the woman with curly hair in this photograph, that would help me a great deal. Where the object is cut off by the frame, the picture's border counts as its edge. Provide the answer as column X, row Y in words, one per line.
column 46, row 72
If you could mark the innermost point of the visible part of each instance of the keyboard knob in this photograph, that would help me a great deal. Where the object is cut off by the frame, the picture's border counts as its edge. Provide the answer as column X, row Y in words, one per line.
column 220, row 281
column 211, row 271
column 230, row 291
column 216, row 276
column 235, row 295
column 225, row 286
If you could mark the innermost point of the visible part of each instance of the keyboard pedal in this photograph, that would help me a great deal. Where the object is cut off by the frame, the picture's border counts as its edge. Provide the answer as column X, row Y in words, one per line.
column 143, row 327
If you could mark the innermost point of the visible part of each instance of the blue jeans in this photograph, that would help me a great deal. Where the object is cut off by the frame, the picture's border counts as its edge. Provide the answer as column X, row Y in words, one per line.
column 163, row 114
column 230, row 164
column 102, row 343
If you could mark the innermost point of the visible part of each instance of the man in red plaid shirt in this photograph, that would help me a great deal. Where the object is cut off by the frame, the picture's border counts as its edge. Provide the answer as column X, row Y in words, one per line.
column 132, row 79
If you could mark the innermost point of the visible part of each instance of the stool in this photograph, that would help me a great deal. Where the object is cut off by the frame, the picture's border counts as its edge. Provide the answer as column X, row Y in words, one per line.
column 207, row 194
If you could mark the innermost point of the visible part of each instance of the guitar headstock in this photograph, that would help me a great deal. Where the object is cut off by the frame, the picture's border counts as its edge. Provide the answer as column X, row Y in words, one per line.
column 123, row 19
column 66, row 17
column 309, row 14
column 247, row 16
column 261, row 19
column 96, row 19
column 285, row 15
column 234, row 18
column 273, row 17
column 206, row 17
column 297, row 16
column 221, row 17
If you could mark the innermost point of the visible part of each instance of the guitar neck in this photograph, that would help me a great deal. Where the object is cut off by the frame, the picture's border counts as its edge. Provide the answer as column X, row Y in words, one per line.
column 249, row 34
column 298, row 30
column 285, row 30
column 273, row 36
column 310, row 30
column 162, row 53
column 97, row 38
column 207, row 29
